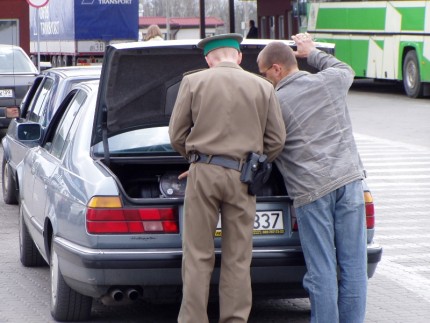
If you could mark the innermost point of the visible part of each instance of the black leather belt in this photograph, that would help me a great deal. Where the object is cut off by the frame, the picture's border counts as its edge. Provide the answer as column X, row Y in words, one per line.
column 215, row 160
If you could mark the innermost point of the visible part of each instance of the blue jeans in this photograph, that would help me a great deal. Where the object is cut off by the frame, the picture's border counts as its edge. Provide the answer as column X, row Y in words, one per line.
column 333, row 236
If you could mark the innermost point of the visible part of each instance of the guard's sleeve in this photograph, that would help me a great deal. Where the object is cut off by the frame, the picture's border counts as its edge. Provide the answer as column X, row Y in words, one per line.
column 275, row 133
column 181, row 120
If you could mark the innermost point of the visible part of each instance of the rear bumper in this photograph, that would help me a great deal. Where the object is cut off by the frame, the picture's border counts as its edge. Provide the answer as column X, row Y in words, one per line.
column 93, row 272
column 374, row 255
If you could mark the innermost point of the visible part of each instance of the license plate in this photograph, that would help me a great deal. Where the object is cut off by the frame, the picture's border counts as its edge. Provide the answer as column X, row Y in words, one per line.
column 6, row 93
column 265, row 223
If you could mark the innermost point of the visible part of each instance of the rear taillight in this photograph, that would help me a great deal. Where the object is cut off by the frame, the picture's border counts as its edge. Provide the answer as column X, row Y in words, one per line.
column 294, row 223
column 370, row 210
column 370, row 213
column 106, row 215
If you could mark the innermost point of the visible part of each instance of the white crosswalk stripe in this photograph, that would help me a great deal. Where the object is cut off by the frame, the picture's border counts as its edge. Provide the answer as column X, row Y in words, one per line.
column 399, row 178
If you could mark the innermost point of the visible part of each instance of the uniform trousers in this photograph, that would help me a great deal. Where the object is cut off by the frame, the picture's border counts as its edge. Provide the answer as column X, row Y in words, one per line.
column 213, row 190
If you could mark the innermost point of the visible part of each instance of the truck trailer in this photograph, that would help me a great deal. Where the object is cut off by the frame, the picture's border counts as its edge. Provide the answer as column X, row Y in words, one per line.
column 76, row 32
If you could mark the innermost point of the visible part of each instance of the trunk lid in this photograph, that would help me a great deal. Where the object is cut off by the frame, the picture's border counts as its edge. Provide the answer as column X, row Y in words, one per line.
column 140, row 81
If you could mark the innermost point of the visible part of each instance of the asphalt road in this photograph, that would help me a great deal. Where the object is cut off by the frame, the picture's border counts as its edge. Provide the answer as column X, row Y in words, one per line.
column 393, row 137
column 382, row 110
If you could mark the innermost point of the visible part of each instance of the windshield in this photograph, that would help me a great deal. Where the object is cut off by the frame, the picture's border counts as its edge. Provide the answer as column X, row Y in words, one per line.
column 143, row 141
column 14, row 60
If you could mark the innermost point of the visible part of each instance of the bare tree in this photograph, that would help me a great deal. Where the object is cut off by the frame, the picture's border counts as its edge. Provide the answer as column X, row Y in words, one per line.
column 213, row 8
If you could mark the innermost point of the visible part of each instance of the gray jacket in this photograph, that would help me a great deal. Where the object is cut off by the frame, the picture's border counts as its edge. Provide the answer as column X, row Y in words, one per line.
column 320, row 154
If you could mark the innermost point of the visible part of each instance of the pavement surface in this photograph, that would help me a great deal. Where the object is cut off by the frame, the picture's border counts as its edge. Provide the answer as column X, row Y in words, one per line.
column 399, row 292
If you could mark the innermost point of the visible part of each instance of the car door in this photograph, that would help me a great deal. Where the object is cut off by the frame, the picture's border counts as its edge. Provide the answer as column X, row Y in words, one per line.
column 43, row 161
column 35, row 111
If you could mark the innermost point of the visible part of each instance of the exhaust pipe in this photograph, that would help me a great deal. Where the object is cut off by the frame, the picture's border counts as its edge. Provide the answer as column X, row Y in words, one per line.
column 117, row 295
column 132, row 294
column 120, row 296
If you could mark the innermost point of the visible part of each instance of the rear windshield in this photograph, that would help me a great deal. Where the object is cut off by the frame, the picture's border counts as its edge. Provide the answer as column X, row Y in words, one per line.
column 146, row 141
column 13, row 61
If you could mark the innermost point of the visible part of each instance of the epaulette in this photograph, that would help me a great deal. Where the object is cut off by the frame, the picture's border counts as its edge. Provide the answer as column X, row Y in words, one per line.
column 194, row 71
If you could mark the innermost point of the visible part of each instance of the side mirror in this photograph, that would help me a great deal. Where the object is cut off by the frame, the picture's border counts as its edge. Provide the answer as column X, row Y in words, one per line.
column 29, row 131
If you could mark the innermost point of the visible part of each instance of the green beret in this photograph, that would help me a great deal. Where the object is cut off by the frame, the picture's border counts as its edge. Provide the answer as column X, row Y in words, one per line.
column 218, row 41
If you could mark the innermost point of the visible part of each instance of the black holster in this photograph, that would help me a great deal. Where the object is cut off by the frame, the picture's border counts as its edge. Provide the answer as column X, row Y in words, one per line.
column 255, row 172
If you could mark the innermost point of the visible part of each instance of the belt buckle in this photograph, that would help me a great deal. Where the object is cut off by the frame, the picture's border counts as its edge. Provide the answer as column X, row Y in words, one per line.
column 193, row 158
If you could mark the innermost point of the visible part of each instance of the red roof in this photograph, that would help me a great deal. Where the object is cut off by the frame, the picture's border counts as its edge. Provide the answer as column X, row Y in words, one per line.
column 179, row 22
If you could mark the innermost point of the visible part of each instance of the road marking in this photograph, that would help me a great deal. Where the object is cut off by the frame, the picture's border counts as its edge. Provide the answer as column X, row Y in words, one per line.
column 406, row 278
column 403, row 186
column 391, row 163
column 405, row 236
column 410, row 220
column 399, row 170
column 398, row 177
column 408, row 246
column 399, row 228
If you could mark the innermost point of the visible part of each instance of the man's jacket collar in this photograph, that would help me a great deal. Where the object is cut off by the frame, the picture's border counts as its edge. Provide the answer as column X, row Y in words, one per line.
column 290, row 78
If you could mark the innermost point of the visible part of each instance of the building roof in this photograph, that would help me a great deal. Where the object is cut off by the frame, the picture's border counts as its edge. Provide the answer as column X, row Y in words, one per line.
column 189, row 22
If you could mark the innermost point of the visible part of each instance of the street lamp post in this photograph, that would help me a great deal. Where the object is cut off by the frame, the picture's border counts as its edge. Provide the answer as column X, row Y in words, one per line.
column 38, row 4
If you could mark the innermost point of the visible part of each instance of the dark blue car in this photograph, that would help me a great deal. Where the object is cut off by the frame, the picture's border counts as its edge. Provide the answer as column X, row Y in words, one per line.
column 38, row 106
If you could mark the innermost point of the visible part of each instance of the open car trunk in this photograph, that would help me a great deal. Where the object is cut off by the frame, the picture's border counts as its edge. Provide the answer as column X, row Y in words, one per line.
column 155, row 180
column 138, row 88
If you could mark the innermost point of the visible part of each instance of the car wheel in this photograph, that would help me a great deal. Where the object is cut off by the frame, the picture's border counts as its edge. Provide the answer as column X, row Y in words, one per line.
column 412, row 84
column 8, row 184
column 29, row 254
column 66, row 304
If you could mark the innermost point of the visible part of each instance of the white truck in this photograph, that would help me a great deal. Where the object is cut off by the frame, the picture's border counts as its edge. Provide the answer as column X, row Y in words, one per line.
column 76, row 32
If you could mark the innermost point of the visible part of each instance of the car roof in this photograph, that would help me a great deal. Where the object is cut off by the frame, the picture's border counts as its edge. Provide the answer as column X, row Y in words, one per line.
column 74, row 71
column 25, row 63
column 9, row 46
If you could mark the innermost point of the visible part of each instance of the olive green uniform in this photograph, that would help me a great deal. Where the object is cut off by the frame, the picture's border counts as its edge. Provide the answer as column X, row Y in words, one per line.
column 222, row 111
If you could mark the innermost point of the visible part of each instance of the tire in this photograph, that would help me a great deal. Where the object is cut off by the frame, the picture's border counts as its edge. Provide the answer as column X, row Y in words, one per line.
column 66, row 304
column 29, row 254
column 54, row 61
column 67, row 61
column 8, row 184
column 412, row 84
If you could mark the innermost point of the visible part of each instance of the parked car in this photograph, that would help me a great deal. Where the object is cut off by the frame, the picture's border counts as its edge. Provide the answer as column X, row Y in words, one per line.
column 38, row 105
column 101, row 202
column 17, row 73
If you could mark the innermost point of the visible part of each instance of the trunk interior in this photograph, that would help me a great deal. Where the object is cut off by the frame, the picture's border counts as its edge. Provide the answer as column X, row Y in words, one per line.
column 160, row 180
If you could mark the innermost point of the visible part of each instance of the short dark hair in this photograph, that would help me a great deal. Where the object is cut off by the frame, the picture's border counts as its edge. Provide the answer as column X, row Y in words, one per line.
column 280, row 53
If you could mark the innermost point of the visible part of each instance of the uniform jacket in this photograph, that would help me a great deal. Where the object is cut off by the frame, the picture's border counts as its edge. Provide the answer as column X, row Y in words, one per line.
column 320, row 153
column 226, row 111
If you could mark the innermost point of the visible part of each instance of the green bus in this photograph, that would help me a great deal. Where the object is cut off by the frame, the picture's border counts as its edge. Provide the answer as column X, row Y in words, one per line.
column 382, row 40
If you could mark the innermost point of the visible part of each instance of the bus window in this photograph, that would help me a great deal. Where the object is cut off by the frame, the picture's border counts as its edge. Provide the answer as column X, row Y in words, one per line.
column 387, row 40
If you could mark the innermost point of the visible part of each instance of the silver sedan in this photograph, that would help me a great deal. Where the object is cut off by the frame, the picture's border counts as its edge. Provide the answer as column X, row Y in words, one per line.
column 101, row 202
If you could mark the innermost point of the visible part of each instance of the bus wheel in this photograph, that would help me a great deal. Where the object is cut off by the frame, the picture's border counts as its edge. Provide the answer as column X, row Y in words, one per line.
column 411, row 76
